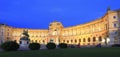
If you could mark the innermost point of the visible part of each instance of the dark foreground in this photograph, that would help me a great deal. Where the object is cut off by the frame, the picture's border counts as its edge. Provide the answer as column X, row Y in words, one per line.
column 70, row 52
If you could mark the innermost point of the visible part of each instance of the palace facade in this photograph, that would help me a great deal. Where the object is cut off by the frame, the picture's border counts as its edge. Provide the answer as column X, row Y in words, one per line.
column 105, row 30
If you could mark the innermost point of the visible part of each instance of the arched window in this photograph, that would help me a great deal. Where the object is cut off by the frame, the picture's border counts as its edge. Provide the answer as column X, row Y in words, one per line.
column 75, row 40
column 79, row 40
column 43, row 41
column 100, row 38
column 71, row 41
column 67, row 41
column 84, row 40
column 59, row 40
column 39, row 41
column 35, row 41
column 63, row 41
column 94, row 39
column 88, row 39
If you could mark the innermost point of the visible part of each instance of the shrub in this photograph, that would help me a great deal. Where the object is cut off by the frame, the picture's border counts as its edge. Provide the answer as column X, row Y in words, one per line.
column 51, row 45
column 72, row 46
column 98, row 45
column 34, row 46
column 63, row 45
column 116, row 45
column 10, row 46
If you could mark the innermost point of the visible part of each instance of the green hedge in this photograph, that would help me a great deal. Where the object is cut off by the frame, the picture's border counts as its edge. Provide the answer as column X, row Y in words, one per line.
column 10, row 46
column 51, row 45
column 116, row 45
column 63, row 45
column 34, row 46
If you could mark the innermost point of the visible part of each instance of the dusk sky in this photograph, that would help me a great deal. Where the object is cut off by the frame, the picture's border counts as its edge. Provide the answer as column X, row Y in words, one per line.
column 39, row 13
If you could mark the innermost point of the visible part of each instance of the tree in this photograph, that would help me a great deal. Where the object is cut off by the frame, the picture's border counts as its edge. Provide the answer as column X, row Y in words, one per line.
column 63, row 45
column 51, row 45
column 34, row 46
column 10, row 46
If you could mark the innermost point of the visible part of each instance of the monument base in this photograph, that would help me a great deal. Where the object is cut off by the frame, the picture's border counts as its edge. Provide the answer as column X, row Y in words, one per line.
column 24, row 45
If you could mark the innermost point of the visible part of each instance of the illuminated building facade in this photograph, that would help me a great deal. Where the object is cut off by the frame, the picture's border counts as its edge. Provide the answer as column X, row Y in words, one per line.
column 105, row 30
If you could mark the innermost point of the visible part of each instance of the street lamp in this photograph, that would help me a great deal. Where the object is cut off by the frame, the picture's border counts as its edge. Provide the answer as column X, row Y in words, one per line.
column 107, row 40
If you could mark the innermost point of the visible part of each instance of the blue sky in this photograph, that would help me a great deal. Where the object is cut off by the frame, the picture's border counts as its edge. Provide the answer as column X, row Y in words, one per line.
column 39, row 13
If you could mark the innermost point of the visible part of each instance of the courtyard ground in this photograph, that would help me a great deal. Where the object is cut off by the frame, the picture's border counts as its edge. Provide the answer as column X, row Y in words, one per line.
column 69, row 52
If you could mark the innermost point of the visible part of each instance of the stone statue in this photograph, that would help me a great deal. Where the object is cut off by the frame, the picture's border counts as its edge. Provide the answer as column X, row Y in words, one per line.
column 25, row 33
column 24, row 40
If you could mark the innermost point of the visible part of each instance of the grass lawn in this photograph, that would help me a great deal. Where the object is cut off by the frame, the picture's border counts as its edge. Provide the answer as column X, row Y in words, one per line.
column 70, row 52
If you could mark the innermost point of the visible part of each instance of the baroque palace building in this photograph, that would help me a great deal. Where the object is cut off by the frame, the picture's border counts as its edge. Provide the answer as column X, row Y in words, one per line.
column 105, row 30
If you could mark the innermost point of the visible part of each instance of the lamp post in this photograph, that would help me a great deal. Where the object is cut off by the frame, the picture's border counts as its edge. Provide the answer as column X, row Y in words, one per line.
column 107, row 40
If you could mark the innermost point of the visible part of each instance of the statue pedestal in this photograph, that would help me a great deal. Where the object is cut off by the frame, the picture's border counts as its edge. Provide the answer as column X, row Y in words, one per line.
column 24, row 40
column 24, row 45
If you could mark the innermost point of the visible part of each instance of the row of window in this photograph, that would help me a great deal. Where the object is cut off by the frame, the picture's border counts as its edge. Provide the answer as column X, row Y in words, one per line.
column 84, row 40
column 38, row 41
column 78, row 32
column 72, row 41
